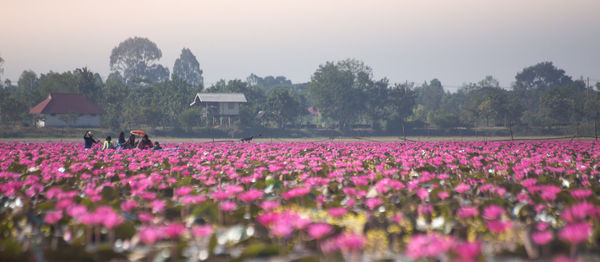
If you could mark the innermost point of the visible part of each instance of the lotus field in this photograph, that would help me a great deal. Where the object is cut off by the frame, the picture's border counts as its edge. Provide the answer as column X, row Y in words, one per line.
column 422, row 201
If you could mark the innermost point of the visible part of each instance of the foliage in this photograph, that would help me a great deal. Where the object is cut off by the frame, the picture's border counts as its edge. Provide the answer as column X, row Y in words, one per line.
column 188, row 69
column 136, row 59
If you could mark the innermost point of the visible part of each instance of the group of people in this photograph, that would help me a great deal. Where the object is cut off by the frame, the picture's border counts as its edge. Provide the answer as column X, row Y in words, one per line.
column 130, row 143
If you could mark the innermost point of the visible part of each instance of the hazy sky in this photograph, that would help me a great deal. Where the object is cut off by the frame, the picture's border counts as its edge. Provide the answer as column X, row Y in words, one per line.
column 456, row 41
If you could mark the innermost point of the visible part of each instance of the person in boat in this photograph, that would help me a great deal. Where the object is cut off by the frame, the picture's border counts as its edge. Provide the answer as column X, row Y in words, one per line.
column 108, row 144
column 130, row 144
column 145, row 143
column 157, row 146
column 121, row 141
column 89, row 140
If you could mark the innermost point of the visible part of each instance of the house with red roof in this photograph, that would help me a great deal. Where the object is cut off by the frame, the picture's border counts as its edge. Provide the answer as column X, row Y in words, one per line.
column 59, row 110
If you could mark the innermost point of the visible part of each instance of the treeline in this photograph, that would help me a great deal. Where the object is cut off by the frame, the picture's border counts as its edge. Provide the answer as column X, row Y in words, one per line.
column 140, row 92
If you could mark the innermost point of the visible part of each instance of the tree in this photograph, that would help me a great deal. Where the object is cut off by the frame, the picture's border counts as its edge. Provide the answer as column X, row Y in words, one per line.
column 136, row 59
column 28, row 89
column 541, row 76
column 89, row 84
column 188, row 69
column 334, row 90
column 1, row 66
column 282, row 107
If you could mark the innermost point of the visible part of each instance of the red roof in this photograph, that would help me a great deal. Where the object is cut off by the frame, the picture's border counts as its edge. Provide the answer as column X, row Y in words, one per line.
column 57, row 103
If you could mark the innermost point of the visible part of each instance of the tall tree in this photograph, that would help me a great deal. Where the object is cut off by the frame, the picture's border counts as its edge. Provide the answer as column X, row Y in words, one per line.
column 188, row 69
column 89, row 84
column 334, row 90
column 1, row 66
column 136, row 59
column 282, row 107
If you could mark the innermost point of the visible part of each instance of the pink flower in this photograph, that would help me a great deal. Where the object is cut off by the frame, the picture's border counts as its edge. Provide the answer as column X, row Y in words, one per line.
column 128, row 205
column 173, row 230
column 468, row 251
column 149, row 235
column 158, row 206
column 492, row 212
column 337, row 211
column 250, row 195
column 443, row 195
column 201, row 231
column 467, row 211
column 112, row 219
column 499, row 226
column 350, row 242
column 317, row 231
column 182, row 191
column 282, row 228
column 145, row 217
column 269, row 205
column 462, row 187
column 424, row 209
column 542, row 238
column 267, row 219
column 372, row 203
column 430, row 245
column 422, row 193
column 580, row 194
column 576, row 233
column 228, row 206
column 295, row 192
column 53, row 216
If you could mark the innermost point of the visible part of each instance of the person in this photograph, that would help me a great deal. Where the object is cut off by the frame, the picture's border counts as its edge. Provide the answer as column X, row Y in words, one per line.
column 89, row 140
column 157, row 146
column 108, row 144
column 130, row 144
column 121, row 141
column 145, row 143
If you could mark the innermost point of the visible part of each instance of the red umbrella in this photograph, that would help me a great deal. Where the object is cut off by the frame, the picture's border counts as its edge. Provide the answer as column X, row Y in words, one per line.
column 138, row 132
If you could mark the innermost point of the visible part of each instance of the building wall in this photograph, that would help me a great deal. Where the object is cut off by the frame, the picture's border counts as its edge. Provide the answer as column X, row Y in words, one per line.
column 56, row 121
column 229, row 109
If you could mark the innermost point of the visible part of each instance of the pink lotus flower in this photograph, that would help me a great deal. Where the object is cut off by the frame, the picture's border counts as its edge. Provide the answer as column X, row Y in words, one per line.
column 173, row 230
column 149, row 235
column 250, row 195
column 201, row 231
column 443, row 195
column 295, row 192
column 372, row 203
column 158, row 206
column 282, row 229
column 468, row 251
column 337, row 211
column 492, row 212
column 542, row 238
column 182, row 191
column 581, row 194
column 317, row 231
column 422, row 193
column 430, row 245
column 467, row 211
column 53, row 216
column 498, row 227
column 228, row 206
column 128, row 205
column 350, row 242
column 145, row 217
column 576, row 233
column 269, row 205
column 462, row 187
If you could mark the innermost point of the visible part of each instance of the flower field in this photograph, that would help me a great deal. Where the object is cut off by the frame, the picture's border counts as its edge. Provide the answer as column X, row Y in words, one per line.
column 446, row 201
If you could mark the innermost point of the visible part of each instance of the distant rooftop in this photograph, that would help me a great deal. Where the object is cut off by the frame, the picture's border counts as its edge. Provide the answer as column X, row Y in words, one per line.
column 221, row 97
column 60, row 103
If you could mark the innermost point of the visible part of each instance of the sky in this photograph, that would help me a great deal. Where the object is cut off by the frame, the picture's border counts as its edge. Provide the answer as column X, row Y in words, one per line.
column 456, row 41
